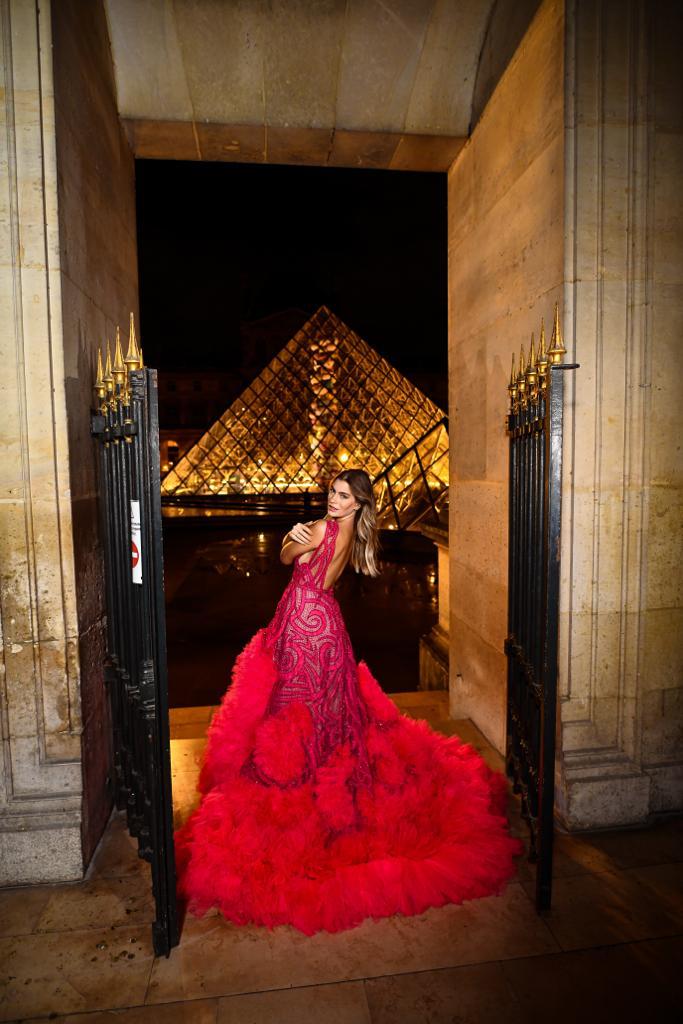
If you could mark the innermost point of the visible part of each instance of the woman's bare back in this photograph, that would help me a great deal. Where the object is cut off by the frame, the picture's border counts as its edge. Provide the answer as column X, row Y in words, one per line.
column 342, row 553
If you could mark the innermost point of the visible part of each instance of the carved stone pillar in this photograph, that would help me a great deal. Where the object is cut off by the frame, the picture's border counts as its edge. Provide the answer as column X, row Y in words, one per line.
column 40, row 777
column 620, row 752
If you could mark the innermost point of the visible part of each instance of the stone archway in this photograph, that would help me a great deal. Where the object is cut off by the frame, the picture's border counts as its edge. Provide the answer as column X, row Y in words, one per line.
column 563, row 189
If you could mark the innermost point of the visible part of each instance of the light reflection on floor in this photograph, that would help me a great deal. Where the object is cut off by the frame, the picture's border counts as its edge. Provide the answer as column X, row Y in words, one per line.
column 222, row 584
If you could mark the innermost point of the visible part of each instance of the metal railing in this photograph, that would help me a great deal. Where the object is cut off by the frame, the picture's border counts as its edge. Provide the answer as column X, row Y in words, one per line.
column 126, row 426
column 534, row 426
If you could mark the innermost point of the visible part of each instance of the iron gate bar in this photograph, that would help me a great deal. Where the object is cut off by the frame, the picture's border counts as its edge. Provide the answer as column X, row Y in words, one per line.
column 155, row 672
column 127, row 426
column 534, row 426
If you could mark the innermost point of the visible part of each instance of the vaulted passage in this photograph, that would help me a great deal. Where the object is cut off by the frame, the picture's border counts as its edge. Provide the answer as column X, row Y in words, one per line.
column 558, row 128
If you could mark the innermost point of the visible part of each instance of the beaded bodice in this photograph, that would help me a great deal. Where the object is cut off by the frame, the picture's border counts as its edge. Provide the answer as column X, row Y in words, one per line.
column 314, row 659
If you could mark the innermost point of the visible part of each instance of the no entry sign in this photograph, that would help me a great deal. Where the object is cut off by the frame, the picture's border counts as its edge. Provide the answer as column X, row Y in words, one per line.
column 136, row 542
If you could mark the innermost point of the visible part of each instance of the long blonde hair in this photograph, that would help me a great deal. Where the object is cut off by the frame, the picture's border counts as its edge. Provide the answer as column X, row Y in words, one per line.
column 365, row 540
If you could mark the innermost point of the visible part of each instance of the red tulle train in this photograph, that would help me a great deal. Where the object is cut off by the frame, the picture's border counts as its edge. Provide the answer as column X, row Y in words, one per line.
column 323, row 853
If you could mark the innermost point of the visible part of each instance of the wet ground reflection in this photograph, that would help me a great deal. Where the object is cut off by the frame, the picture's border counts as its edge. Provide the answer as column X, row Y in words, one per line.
column 222, row 584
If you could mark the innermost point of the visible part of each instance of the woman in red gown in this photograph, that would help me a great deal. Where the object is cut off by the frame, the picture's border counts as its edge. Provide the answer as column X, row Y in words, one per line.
column 321, row 803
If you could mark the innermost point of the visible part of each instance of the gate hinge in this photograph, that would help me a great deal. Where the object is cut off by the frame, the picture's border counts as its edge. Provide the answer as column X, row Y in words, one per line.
column 99, row 428
column 127, row 429
column 98, row 424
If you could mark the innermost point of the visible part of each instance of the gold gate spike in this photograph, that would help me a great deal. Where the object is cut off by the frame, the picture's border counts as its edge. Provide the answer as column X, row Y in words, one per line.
column 100, row 386
column 542, row 359
column 512, row 386
column 108, row 378
column 119, row 368
column 132, row 360
column 531, row 371
column 557, row 349
column 521, row 378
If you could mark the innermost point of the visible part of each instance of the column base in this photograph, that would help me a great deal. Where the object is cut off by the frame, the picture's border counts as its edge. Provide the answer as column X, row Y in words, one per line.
column 434, row 660
column 49, row 851
column 591, row 796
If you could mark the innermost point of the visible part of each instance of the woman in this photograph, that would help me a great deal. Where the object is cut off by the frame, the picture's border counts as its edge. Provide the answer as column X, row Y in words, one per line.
column 322, row 804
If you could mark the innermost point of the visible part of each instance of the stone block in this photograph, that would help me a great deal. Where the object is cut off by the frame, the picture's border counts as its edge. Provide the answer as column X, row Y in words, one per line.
column 664, row 524
column 222, row 61
column 41, row 855
column 667, row 70
column 363, row 149
column 164, row 140
column 155, row 78
column 480, row 538
column 504, row 144
column 294, row 145
column 609, row 797
column 245, row 143
column 480, row 600
column 453, row 39
column 301, row 91
column 505, row 260
column 425, row 152
column 666, row 786
column 379, row 62
column 477, row 687
column 664, row 385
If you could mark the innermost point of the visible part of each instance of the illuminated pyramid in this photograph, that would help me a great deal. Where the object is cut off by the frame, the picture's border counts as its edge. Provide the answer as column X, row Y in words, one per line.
column 327, row 400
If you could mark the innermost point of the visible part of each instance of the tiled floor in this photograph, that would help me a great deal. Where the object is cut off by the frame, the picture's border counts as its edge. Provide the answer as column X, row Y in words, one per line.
column 610, row 950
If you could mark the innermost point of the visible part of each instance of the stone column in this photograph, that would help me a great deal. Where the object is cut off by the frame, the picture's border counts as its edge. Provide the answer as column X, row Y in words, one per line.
column 620, row 756
column 40, row 778
column 434, row 645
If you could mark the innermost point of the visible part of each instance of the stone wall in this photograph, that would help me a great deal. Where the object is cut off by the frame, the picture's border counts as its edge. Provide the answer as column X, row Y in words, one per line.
column 98, row 263
column 67, row 273
column 569, row 188
column 40, row 773
column 621, row 735
column 505, row 267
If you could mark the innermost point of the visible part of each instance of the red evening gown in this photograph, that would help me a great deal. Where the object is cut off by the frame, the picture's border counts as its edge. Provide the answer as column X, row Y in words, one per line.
column 321, row 803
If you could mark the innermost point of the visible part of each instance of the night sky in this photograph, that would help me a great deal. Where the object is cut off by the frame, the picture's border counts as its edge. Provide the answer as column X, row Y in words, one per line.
column 224, row 244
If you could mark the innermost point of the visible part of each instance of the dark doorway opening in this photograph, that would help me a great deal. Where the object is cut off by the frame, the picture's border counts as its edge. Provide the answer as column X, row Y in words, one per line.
column 233, row 260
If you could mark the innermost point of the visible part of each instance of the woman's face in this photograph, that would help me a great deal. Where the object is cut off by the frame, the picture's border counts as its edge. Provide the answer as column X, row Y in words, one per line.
column 340, row 499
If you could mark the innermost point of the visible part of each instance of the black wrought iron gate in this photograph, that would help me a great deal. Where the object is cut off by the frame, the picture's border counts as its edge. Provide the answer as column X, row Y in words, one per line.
column 534, row 423
column 126, row 425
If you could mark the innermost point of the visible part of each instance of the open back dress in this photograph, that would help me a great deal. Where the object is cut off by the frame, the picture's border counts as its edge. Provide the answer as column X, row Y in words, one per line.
column 321, row 804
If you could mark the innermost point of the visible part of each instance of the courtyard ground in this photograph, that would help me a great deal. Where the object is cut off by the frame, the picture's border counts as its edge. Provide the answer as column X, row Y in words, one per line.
column 611, row 949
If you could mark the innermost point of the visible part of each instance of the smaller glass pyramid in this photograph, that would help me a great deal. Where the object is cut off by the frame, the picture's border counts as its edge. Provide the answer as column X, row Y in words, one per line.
column 326, row 401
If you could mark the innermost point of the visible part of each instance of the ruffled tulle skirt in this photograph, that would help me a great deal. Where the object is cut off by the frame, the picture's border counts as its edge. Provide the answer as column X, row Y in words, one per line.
column 313, row 850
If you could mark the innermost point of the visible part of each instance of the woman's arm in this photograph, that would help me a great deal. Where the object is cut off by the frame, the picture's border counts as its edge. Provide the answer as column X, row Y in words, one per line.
column 302, row 537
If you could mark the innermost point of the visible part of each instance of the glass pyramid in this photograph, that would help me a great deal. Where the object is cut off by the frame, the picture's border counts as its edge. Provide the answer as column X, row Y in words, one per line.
column 326, row 401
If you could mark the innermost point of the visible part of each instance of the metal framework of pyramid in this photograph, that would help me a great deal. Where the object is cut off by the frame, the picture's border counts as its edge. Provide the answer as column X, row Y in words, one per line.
column 326, row 401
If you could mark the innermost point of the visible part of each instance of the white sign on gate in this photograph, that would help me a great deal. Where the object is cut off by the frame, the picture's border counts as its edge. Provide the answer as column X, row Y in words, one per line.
column 136, row 541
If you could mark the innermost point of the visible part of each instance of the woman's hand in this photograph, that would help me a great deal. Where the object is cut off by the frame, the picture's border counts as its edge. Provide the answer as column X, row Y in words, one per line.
column 302, row 537
column 300, row 533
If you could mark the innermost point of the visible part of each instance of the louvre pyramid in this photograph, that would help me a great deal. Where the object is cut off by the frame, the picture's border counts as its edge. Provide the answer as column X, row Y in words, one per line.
column 327, row 400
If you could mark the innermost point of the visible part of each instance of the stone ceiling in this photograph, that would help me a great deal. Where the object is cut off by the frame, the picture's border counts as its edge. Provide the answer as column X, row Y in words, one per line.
column 378, row 83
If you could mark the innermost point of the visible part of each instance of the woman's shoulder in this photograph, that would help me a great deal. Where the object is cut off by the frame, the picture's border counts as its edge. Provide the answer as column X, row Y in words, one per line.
column 318, row 529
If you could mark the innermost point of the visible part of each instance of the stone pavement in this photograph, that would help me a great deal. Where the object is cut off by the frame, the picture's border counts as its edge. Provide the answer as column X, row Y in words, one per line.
column 611, row 949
